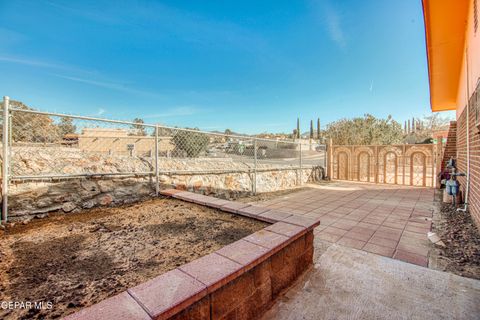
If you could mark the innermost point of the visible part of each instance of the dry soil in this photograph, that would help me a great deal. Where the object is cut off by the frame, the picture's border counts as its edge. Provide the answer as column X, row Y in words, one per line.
column 77, row 260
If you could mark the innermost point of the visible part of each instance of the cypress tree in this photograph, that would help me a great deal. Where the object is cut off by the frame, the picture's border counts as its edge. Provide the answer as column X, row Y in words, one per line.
column 318, row 129
column 298, row 128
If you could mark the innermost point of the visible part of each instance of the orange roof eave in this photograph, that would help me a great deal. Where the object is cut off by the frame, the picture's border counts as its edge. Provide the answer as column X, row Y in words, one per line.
column 445, row 27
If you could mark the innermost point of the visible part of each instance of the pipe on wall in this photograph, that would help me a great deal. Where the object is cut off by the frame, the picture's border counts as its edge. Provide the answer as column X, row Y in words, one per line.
column 467, row 187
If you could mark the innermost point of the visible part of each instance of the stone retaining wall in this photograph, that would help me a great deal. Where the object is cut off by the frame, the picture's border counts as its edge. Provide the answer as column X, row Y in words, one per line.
column 39, row 198
column 35, row 198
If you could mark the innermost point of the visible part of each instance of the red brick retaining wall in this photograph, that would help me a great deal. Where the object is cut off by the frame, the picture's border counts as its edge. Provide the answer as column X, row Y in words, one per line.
column 474, row 196
column 239, row 281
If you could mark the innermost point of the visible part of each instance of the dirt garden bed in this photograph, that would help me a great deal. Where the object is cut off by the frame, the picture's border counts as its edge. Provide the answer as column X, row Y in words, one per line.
column 77, row 260
column 461, row 254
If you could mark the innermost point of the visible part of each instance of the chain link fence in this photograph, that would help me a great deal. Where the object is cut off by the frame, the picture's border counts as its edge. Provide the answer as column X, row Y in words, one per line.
column 51, row 146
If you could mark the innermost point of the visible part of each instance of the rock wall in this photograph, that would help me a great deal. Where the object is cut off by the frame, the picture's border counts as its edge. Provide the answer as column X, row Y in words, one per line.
column 232, row 185
column 38, row 198
column 34, row 198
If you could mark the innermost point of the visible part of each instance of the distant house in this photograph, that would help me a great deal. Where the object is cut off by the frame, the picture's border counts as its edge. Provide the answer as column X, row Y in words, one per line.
column 121, row 141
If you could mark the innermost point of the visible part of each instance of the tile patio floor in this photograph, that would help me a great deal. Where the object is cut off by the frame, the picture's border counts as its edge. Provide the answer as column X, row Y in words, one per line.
column 391, row 221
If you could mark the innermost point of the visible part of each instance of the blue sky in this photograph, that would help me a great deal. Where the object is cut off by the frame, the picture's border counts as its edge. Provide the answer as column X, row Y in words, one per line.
column 251, row 66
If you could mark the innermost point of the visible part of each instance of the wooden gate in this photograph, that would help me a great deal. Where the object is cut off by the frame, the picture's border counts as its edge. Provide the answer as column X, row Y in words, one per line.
column 405, row 164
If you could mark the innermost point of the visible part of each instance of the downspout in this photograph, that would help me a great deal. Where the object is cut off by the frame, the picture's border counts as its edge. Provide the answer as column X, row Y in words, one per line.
column 467, row 187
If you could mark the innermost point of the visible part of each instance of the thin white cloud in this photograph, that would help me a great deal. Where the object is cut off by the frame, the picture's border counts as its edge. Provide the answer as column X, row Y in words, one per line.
column 90, row 77
column 101, row 111
column 104, row 84
column 43, row 64
column 330, row 19
column 30, row 62
column 73, row 69
column 334, row 27
column 109, row 85
column 86, row 11
column 173, row 112
column 185, row 25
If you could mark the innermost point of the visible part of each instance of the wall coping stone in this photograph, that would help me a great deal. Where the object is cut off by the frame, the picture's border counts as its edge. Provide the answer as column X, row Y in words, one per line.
column 213, row 270
column 233, row 207
column 267, row 239
column 252, row 211
column 119, row 307
column 287, row 229
column 273, row 216
column 245, row 253
column 306, row 222
column 168, row 293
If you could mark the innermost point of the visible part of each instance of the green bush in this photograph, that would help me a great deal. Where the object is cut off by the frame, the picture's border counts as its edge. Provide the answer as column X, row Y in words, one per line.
column 192, row 143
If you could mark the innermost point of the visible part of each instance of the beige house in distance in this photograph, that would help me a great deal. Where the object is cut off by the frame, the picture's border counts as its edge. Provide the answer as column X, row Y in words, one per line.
column 121, row 142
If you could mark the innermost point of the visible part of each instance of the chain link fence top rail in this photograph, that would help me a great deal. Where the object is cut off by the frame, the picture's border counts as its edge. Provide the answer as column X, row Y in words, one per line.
column 46, row 145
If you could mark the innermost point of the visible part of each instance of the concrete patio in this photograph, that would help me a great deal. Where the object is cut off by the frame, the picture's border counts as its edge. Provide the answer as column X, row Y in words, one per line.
column 387, row 220
column 347, row 283
column 365, row 231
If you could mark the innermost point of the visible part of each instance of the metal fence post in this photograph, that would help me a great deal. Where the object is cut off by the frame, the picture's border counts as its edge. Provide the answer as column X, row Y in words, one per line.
column 6, row 122
column 434, row 164
column 10, row 138
column 325, row 161
column 301, row 172
column 157, row 172
column 254, row 166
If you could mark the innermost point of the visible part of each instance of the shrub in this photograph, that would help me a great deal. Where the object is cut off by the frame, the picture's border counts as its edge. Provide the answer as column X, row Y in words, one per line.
column 191, row 143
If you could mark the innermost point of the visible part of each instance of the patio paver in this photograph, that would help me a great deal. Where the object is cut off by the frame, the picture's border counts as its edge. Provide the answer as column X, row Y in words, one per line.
column 391, row 221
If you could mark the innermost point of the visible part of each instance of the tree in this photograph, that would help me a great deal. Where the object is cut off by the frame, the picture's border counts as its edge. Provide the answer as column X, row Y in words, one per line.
column 138, row 126
column 298, row 128
column 294, row 134
column 66, row 126
column 311, row 129
column 365, row 131
column 162, row 131
column 32, row 127
column 190, row 142
column 319, row 135
column 426, row 127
